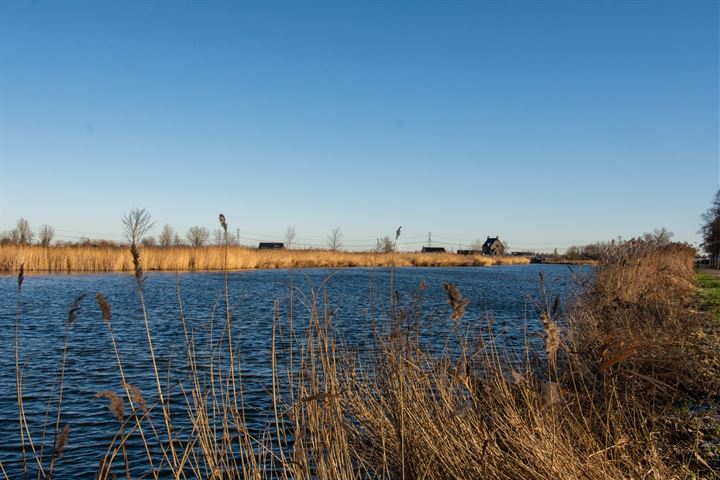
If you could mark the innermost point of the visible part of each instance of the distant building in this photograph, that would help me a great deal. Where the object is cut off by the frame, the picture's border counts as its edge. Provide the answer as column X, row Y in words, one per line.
column 433, row 250
column 702, row 260
column 271, row 245
column 469, row 252
column 493, row 246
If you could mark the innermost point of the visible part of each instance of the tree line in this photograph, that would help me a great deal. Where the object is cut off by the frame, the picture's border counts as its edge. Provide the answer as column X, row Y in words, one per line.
column 195, row 236
column 710, row 230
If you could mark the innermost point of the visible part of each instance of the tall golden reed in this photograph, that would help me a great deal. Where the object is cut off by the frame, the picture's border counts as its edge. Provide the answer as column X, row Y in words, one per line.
column 116, row 259
column 400, row 410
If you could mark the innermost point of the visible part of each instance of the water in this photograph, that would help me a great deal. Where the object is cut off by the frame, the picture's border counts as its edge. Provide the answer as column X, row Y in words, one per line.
column 356, row 298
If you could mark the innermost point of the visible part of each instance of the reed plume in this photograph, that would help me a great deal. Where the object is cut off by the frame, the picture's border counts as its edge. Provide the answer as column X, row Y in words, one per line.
column 105, row 307
column 74, row 309
column 116, row 405
column 61, row 442
column 136, row 395
column 551, row 336
column 21, row 276
column 456, row 301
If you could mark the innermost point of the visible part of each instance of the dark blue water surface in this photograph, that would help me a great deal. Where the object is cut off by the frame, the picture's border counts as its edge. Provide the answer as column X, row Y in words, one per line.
column 357, row 298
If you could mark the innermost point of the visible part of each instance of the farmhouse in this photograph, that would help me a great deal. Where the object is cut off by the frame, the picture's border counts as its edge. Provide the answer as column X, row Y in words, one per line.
column 493, row 246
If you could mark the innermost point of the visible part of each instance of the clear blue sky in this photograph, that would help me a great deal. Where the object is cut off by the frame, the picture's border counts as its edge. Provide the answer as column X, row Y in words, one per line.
column 548, row 123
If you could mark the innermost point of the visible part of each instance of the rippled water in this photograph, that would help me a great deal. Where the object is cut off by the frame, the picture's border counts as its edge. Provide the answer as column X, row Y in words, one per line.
column 356, row 297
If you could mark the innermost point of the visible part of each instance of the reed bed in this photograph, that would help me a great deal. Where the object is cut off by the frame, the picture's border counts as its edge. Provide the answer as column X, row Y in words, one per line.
column 118, row 259
column 597, row 402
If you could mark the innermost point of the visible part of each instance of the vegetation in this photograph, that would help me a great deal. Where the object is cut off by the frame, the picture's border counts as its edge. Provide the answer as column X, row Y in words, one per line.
column 595, row 251
column 198, row 236
column 598, row 400
column 710, row 229
column 117, row 259
column 290, row 236
column 710, row 294
column 335, row 240
column 385, row 245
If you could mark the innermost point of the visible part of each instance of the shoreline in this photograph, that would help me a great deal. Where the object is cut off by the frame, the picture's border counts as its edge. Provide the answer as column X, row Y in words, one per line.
column 8, row 273
column 73, row 259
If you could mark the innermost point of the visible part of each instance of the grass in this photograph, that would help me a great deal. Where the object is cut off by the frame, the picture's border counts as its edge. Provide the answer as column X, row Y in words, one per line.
column 599, row 401
column 116, row 259
column 710, row 294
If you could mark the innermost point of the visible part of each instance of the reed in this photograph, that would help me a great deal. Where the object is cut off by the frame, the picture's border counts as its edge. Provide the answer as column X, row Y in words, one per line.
column 595, row 403
column 116, row 259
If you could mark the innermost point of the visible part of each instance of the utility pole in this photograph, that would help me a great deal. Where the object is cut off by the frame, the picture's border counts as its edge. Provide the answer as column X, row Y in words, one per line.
column 429, row 239
column 237, row 236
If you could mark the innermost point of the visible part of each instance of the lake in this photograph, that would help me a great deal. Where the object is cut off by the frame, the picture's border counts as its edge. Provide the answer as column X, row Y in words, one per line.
column 357, row 298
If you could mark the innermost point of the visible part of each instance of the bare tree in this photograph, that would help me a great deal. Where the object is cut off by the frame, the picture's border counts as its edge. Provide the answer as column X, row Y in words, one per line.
column 166, row 235
column 46, row 235
column 177, row 241
column 290, row 235
column 136, row 224
column 477, row 244
column 14, row 236
column 219, row 237
column 659, row 236
column 335, row 239
column 385, row 245
column 198, row 236
column 25, row 234
column 710, row 230
column 149, row 241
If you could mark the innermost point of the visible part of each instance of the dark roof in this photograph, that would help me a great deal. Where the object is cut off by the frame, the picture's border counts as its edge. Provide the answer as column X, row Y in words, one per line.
column 491, row 240
column 433, row 249
column 271, row 245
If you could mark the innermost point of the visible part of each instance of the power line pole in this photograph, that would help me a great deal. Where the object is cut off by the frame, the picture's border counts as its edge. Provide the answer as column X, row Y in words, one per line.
column 429, row 239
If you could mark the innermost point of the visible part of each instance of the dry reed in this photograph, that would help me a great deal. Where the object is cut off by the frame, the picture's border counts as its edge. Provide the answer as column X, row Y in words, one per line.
column 116, row 259
column 597, row 406
column 115, row 404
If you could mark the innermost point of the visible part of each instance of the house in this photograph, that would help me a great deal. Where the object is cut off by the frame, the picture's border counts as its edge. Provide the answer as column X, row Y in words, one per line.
column 433, row 250
column 270, row 245
column 469, row 252
column 493, row 246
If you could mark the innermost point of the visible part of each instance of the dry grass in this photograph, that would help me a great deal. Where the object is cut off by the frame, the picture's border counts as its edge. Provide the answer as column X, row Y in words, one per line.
column 116, row 259
column 595, row 404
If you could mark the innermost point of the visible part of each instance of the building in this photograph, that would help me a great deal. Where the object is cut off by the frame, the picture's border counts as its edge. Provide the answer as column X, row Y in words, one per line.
column 270, row 245
column 469, row 252
column 433, row 250
column 493, row 246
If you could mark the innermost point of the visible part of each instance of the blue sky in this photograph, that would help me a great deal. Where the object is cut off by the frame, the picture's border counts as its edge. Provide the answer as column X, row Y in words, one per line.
column 548, row 123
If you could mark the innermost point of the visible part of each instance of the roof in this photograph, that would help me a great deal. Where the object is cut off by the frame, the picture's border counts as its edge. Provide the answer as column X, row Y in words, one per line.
column 491, row 240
